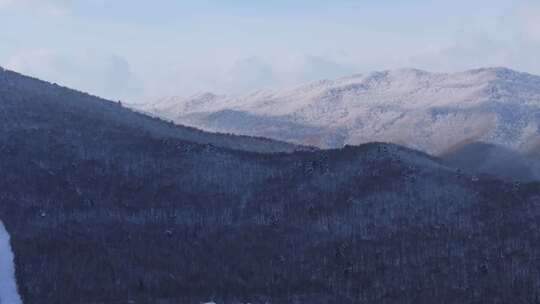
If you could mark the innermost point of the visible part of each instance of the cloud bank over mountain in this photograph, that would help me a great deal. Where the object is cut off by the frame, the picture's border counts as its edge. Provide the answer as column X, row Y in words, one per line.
column 96, row 72
column 228, row 47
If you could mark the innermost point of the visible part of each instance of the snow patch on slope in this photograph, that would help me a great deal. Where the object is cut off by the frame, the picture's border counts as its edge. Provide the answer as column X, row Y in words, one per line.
column 8, row 285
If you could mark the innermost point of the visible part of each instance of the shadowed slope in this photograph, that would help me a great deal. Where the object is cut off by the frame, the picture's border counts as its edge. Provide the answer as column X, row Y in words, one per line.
column 42, row 103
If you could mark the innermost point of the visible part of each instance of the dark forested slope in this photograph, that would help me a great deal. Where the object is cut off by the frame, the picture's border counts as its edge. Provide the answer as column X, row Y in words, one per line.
column 45, row 103
column 104, row 207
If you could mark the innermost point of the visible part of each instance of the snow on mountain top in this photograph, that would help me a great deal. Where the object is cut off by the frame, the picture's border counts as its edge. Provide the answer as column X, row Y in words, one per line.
column 407, row 87
column 423, row 110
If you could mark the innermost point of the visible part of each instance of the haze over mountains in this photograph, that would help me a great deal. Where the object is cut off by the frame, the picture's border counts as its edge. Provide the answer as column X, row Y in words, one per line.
column 105, row 205
column 426, row 111
column 478, row 157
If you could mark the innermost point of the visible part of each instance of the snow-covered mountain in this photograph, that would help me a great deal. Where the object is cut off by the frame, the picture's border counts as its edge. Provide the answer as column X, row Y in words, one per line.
column 428, row 111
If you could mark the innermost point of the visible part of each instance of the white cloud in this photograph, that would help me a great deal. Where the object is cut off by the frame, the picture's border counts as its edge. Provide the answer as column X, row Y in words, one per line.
column 102, row 74
column 226, row 54
column 249, row 73
column 527, row 18
column 255, row 72
column 244, row 74
column 312, row 68
column 468, row 50
column 53, row 7
column 514, row 42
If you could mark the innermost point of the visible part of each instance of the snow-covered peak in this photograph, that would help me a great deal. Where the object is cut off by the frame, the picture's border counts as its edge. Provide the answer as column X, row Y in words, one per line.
column 429, row 111
column 407, row 87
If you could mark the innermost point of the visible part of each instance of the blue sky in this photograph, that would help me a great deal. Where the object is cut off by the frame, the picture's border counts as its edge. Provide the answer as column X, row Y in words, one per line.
column 136, row 50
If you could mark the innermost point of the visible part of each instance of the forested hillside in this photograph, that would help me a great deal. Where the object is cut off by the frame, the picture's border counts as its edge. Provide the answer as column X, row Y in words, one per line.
column 36, row 97
column 108, row 206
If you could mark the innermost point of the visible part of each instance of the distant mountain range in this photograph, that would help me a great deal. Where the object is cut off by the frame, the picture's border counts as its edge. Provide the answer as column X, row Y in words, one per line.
column 427, row 111
column 105, row 205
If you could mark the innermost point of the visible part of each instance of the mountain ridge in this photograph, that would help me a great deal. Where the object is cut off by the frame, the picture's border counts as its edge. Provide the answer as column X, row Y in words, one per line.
column 13, row 82
column 104, row 205
column 426, row 111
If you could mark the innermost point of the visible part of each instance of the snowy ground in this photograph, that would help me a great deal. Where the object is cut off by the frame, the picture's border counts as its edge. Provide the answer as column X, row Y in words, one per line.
column 8, row 285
